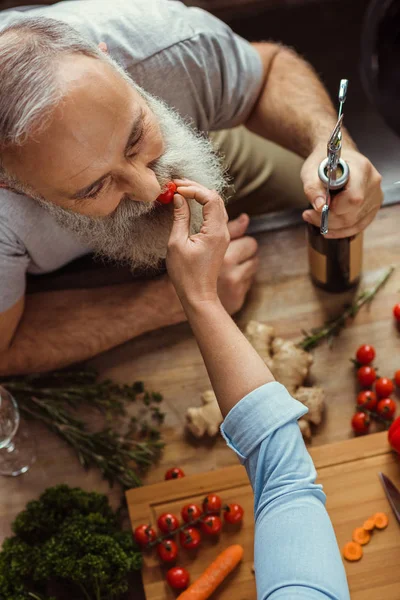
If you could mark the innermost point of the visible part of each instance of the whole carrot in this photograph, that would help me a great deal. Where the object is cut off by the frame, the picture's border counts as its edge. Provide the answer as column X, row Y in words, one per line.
column 214, row 575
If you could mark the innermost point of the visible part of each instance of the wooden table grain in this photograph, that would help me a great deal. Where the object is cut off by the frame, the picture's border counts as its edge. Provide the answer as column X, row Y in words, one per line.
column 169, row 361
column 348, row 471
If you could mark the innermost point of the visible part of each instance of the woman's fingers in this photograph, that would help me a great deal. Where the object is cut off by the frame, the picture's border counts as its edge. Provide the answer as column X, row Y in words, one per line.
column 214, row 212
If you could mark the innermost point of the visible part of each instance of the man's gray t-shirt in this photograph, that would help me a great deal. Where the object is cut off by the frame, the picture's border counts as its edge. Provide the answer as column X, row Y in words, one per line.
column 187, row 57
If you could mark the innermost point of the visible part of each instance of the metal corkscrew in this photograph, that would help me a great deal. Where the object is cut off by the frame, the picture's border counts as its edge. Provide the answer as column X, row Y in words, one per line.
column 333, row 171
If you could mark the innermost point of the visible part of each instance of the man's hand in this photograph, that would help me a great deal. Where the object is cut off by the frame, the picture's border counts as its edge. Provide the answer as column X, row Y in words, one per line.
column 351, row 210
column 239, row 267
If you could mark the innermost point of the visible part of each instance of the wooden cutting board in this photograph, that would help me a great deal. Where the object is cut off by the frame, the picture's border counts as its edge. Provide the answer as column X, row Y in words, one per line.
column 349, row 472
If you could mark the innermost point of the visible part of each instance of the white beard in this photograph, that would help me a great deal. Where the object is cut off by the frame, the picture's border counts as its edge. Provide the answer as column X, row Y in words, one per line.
column 137, row 233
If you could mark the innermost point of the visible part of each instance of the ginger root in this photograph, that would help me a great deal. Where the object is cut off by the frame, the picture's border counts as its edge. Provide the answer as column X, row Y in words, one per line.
column 206, row 418
column 290, row 366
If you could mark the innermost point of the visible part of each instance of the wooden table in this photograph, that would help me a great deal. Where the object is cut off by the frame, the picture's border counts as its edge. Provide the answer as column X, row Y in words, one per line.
column 169, row 361
column 349, row 472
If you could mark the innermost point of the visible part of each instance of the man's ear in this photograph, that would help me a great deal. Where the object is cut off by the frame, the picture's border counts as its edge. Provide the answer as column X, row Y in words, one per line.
column 103, row 47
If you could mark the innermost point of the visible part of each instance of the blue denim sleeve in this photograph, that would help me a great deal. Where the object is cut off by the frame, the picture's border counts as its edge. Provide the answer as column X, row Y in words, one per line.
column 295, row 549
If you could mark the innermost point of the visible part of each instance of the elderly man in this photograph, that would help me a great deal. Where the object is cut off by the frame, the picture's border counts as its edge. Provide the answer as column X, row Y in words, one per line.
column 101, row 104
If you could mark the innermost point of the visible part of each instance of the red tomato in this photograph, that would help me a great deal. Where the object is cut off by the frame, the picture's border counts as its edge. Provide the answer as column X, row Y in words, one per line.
column 174, row 473
column 396, row 312
column 360, row 422
column 212, row 504
column 144, row 534
column 367, row 399
column 366, row 376
column 384, row 387
column 190, row 538
column 191, row 512
column 397, row 377
column 167, row 550
column 386, row 408
column 211, row 524
column 394, row 435
column 365, row 354
column 167, row 523
column 178, row 578
column 167, row 196
column 233, row 513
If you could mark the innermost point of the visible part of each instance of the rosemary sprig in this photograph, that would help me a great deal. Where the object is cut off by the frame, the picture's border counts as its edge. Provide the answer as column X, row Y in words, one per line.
column 53, row 398
column 332, row 328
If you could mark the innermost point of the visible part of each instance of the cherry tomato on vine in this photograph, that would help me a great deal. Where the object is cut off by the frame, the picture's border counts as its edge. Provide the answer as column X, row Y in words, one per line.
column 366, row 376
column 167, row 523
column 174, row 473
column 191, row 512
column 178, row 578
column 233, row 513
column 190, row 538
column 367, row 399
column 144, row 534
column 211, row 524
column 168, row 195
column 386, row 408
column 384, row 387
column 167, row 550
column 212, row 504
column 365, row 354
column 360, row 422
column 396, row 312
column 397, row 378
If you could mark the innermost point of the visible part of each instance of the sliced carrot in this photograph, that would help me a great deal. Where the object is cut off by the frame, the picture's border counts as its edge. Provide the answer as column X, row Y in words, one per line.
column 369, row 524
column 381, row 520
column 214, row 575
column 361, row 536
column 352, row 551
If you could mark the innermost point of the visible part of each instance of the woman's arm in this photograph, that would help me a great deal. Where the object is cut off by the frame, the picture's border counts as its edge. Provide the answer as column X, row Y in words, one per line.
column 296, row 554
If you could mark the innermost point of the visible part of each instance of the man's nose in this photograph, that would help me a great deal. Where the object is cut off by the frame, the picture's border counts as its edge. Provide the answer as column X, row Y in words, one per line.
column 141, row 184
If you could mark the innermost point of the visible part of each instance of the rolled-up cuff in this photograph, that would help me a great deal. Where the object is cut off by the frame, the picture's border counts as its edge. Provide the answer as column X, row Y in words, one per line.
column 258, row 415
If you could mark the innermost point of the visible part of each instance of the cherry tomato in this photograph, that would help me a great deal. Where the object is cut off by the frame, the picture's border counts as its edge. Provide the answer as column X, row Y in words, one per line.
column 144, row 534
column 360, row 422
column 397, row 377
column 384, row 387
column 367, row 399
column 190, row 538
column 191, row 512
column 211, row 524
column 167, row 550
column 174, row 473
column 167, row 523
column 365, row 354
column 366, row 376
column 233, row 513
column 167, row 196
column 396, row 312
column 178, row 578
column 394, row 435
column 212, row 504
column 386, row 408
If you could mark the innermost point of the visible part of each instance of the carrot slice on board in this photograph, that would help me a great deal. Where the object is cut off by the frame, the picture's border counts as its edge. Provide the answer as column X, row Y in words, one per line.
column 352, row 551
column 369, row 524
column 381, row 520
column 361, row 536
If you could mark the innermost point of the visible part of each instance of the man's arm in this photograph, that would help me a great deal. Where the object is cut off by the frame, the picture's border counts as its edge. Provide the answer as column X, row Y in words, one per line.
column 294, row 109
column 63, row 327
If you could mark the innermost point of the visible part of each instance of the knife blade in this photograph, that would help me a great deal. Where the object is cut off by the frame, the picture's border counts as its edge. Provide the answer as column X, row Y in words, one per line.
column 392, row 493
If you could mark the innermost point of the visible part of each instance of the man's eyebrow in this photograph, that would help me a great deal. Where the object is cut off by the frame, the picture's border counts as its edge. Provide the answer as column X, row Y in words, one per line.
column 131, row 139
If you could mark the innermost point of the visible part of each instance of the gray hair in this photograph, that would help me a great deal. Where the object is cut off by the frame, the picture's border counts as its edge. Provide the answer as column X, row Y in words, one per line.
column 30, row 87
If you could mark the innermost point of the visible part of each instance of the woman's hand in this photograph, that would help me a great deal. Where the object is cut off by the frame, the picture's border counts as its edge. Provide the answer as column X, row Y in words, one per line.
column 194, row 261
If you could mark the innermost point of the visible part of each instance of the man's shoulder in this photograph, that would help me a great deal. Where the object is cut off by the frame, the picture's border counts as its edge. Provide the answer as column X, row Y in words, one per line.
column 134, row 30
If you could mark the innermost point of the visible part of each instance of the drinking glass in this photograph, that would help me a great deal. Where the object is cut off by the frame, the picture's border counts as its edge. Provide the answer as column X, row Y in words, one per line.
column 17, row 450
